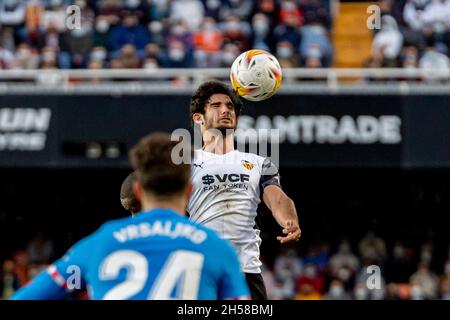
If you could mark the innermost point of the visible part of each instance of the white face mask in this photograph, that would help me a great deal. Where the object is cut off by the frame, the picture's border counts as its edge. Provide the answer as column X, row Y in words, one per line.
column 102, row 26
column 178, row 30
column 213, row 4
column 260, row 27
column 176, row 54
column 133, row 3
column 98, row 55
column 284, row 52
column 55, row 3
column 361, row 294
column 336, row 291
column 155, row 27
column 228, row 57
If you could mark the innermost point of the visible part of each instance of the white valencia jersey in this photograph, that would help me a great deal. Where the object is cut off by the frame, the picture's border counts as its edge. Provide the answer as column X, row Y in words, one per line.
column 226, row 195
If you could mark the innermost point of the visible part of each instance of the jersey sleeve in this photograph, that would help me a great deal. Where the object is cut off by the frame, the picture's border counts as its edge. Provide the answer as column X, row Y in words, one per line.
column 232, row 283
column 269, row 175
column 61, row 277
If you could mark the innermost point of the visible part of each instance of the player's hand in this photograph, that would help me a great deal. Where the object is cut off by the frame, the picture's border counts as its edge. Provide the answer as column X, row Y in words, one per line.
column 292, row 232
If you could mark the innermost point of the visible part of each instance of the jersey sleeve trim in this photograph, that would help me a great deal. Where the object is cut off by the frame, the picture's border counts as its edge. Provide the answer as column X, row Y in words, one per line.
column 56, row 276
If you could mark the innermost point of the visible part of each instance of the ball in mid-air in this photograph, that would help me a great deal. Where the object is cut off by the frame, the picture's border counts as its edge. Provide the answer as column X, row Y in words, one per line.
column 256, row 75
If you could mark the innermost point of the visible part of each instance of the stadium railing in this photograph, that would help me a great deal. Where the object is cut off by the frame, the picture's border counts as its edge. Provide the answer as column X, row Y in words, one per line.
column 298, row 80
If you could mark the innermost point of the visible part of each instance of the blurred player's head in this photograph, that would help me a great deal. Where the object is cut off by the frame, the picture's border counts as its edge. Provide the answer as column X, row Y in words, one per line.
column 127, row 196
column 215, row 106
column 160, row 182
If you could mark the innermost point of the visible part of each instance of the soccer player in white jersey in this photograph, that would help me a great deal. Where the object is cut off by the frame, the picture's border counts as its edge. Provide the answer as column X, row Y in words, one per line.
column 229, row 184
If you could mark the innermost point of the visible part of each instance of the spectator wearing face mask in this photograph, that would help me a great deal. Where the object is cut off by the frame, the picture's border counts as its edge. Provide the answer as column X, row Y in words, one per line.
column 239, row 8
column 336, row 292
column 315, row 35
column 291, row 13
column 180, row 32
column 288, row 30
column 208, row 43
column 139, row 8
column 150, row 64
column 178, row 56
column 98, row 54
column 110, row 10
column 216, row 9
column 371, row 247
column 154, row 51
column 435, row 65
column 311, row 277
column 12, row 19
column 413, row 14
column 425, row 282
column 236, row 31
column 388, row 41
column 269, row 8
column 262, row 36
column 129, row 32
column 49, row 58
column 313, row 57
column 102, row 32
column 286, row 54
column 26, row 58
column 190, row 12
column 230, row 52
column 344, row 258
column 78, row 41
column 55, row 12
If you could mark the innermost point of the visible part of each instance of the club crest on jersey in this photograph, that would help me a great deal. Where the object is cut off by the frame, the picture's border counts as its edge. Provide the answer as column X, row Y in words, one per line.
column 247, row 164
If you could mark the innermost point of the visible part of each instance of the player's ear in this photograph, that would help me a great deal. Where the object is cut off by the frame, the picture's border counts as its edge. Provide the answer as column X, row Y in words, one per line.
column 198, row 118
column 137, row 190
column 189, row 189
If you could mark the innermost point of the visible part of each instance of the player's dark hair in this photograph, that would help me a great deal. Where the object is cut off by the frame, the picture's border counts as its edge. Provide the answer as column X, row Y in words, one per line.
column 206, row 90
column 127, row 196
column 151, row 157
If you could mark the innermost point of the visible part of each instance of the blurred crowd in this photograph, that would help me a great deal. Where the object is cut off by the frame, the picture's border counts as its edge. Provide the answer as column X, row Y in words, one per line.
column 43, row 34
column 414, row 34
column 370, row 272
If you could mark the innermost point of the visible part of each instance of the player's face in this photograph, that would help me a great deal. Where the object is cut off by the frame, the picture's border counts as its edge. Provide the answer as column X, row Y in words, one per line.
column 220, row 113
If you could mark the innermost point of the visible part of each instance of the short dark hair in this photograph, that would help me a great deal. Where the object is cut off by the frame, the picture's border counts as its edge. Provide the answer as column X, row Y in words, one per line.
column 151, row 157
column 127, row 197
column 206, row 90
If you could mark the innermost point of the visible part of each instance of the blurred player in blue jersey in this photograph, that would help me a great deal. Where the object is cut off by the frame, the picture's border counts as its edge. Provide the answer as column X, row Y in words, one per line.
column 158, row 254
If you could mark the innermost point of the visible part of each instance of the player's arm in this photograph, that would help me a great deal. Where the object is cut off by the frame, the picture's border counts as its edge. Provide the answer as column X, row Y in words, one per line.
column 282, row 207
column 232, row 284
column 53, row 283
column 44, row 287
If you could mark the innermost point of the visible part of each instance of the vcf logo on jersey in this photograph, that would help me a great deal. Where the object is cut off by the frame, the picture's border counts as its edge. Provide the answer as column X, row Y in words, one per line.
column 247, row 164
column 231, row 181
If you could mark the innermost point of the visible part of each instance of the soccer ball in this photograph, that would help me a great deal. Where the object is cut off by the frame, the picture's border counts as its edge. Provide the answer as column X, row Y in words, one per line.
column 255, row 75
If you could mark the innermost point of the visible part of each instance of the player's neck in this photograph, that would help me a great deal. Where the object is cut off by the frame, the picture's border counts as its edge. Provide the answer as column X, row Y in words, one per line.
column 178, row 205
column 218, row 144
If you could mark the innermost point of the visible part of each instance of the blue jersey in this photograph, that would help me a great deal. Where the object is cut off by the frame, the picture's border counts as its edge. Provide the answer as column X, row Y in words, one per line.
column 158, row 254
